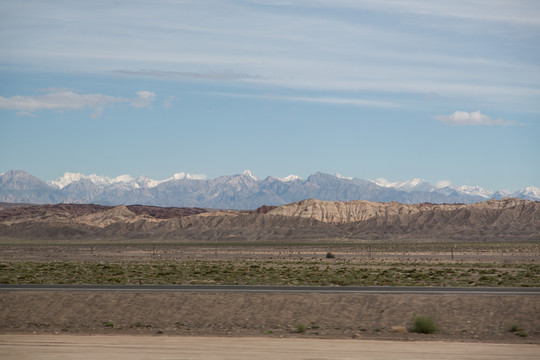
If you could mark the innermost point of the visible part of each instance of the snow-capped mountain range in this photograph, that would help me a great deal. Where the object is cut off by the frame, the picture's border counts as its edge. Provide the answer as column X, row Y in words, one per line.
column 417, row 184
column 240, row 191
column 125, row 181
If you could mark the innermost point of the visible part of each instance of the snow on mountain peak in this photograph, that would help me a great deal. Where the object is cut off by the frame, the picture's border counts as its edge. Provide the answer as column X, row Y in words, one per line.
column 147, row 182
column 442, row 184
column 179, row 176
column 474, row 190
column 249, row 174
column 414, row 182
column 339, row 176
column 382, row 182
column 530, row 191
column 401, row 185
column 126, row 182
column 66, row 179
column 290, row 178
column 123, row 178
column 185, row 176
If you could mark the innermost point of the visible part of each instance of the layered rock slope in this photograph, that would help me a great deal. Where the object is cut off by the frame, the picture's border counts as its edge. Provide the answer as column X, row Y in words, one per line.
column 509, row 219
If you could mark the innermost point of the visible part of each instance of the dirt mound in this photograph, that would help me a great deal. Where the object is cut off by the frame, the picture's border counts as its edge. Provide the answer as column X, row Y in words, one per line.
column 165, row 212
column 105, row 218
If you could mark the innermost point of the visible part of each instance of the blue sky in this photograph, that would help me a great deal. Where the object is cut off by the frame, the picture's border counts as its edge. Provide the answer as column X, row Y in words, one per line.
column 441, row 90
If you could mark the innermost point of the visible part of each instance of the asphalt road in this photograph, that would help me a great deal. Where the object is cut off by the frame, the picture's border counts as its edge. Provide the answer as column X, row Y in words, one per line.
column 279, row 289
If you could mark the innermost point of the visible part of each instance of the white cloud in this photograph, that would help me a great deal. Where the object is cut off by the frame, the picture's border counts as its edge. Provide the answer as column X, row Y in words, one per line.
column 144, row 100
column 460, row 118
column 67, row 99
column 320, row 100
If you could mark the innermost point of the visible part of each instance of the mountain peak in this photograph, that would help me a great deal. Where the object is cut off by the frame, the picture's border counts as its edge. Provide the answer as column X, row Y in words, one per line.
column 180, row 176
column 339, row 176
column 239, row 191
column 66, row 179
column 249, row 174
column 530, row 192
column 290, row 178
column 407, row 185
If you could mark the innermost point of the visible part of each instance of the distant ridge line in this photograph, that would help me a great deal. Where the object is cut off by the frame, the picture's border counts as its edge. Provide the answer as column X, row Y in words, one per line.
column 240, row 191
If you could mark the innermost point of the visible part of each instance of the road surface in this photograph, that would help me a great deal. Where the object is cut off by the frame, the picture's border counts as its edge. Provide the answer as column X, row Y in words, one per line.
column 281, row 289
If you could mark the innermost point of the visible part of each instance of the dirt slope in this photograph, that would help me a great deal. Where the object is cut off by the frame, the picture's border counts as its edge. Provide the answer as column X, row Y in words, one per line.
column 459, row 317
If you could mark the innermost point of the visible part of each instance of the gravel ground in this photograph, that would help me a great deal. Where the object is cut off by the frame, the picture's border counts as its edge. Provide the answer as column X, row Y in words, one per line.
column 471, row 318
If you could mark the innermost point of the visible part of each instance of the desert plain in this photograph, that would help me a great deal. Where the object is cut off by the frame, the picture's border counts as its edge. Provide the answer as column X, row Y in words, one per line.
column 52, row 252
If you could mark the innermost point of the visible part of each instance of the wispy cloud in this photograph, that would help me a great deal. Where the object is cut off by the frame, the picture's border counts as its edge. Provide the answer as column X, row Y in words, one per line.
column 507, row 11
column 458, row 49
column 461, row 118
column 320, row 100
column 67, row 99
column 224, row 75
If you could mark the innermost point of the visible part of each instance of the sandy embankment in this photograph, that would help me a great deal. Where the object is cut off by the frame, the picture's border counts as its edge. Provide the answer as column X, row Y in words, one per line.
column 460, row 317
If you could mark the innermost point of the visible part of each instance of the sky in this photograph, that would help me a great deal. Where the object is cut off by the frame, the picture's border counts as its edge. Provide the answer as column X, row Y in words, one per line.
column 447, row 91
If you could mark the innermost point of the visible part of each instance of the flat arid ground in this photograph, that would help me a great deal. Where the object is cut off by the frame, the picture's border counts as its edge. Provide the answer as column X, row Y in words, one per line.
column 471, row 318
column 58, row 347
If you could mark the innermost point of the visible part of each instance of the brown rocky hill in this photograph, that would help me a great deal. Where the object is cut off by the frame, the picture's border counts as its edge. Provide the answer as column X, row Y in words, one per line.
column 509, row 219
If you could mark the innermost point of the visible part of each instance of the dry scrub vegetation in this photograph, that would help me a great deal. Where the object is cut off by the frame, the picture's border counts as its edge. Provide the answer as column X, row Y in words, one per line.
column 270, row 272
column 106, row 261
column 358, row 264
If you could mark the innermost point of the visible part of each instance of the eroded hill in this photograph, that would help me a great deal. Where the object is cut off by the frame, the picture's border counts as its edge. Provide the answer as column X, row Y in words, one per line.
column 509, row 219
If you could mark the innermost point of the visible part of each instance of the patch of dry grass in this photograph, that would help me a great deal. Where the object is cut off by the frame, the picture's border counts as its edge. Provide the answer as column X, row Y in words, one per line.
column 269, row 272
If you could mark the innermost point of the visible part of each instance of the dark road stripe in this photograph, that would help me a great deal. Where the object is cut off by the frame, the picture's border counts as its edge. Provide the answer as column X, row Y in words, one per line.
column 279, row 289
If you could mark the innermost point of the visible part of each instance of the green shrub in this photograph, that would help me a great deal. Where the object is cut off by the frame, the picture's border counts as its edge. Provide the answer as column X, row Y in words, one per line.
column 300, row 328
column 424, row 325
column 518, row 331
column 329, row 255
column 108, row 324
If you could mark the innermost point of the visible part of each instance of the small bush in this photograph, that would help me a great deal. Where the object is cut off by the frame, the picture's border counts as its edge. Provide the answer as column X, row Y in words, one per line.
column 329, row 255
column 108, row 324
column 424, row 325
column 300, row 328
column 518, row 331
